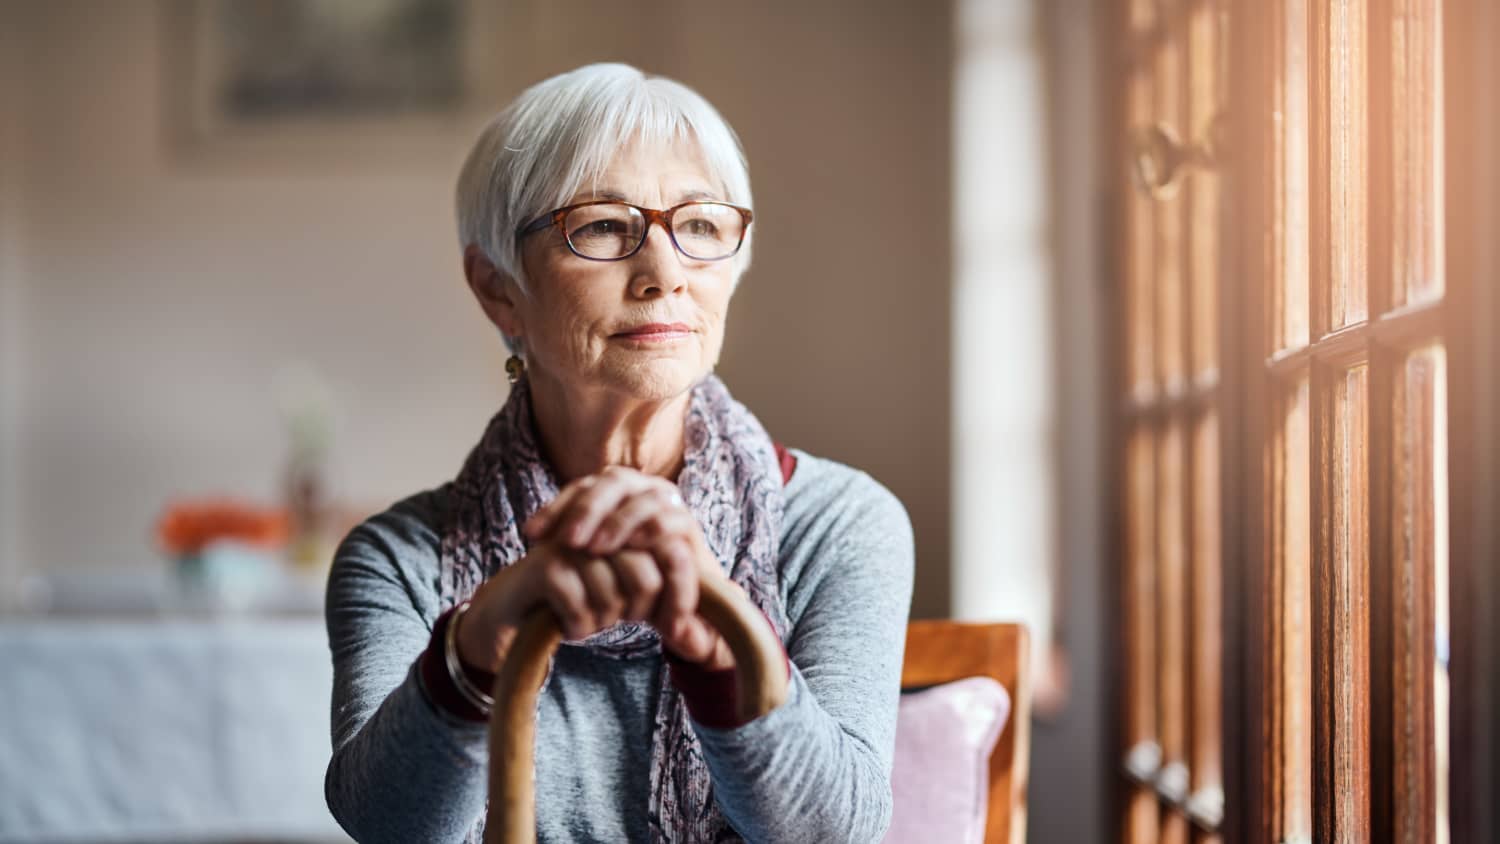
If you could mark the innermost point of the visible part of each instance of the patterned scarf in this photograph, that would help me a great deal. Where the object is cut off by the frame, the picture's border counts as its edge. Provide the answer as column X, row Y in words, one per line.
column 731, row 481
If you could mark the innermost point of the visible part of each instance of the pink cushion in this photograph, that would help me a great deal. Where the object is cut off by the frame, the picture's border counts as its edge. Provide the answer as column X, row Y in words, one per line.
column 940, row 779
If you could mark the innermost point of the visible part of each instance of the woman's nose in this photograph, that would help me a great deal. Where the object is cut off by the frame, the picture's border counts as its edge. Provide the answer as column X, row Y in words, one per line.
column 657, row 266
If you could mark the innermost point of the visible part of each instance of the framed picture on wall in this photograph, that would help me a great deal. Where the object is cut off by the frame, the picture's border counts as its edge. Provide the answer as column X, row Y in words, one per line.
column 345, row 77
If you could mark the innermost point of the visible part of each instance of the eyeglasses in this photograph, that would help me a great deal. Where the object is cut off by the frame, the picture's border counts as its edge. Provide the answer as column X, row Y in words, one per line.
column 607, row 230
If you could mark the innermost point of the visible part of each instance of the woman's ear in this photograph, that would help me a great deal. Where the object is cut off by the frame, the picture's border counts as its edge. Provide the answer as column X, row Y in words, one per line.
column 495, row 291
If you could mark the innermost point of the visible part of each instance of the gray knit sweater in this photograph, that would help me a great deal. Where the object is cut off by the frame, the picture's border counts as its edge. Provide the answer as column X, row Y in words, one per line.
column 816, row 769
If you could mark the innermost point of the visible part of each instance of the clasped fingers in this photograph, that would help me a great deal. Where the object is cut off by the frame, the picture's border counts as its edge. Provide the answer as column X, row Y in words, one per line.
column 590, row 593
column 574, row 517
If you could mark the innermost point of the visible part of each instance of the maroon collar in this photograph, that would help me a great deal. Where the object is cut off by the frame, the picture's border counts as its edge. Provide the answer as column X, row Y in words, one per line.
column 788, row 462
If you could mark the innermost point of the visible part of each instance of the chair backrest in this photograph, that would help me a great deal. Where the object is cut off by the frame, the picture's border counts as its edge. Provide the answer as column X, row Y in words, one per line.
column 943, row 651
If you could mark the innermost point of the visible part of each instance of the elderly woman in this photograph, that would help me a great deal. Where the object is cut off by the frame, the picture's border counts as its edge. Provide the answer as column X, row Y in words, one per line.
column 605, row 222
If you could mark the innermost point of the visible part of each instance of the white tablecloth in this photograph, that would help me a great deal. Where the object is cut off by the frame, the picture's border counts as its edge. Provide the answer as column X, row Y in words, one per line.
column 164, row 730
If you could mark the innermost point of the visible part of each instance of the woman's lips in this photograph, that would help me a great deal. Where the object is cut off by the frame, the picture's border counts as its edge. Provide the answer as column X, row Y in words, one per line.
column 656, row 332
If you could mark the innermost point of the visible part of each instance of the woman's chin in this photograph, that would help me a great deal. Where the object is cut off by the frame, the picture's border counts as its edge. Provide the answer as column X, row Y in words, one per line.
column 654, row 380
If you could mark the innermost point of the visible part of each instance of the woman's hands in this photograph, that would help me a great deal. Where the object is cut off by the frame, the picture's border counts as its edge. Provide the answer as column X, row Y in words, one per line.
column 617, row 545
column 620, row 512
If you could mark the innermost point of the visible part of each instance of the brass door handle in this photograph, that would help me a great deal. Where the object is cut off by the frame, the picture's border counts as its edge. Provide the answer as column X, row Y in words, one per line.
column 1161, row 157
column 511, row 816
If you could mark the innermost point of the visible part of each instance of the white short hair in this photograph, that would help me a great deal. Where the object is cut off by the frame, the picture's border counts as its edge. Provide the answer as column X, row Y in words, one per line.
column 563, row 132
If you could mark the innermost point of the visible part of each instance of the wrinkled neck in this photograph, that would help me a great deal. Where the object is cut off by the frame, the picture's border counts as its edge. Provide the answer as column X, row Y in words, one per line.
column 581, row 432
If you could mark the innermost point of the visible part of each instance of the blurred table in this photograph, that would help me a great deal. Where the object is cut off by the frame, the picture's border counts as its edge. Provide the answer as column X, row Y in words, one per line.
column 177, row 726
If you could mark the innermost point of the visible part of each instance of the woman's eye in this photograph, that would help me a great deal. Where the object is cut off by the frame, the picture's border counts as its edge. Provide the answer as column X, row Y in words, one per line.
column 602, row 227
column 702, row 228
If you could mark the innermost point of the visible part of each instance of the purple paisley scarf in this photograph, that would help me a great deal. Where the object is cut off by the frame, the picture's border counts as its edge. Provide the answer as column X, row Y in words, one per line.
column 730, row 480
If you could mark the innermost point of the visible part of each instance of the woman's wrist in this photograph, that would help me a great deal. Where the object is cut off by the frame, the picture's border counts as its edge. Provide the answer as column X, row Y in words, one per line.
column 475, row 694
column 439, row 679
column 482, row 635
column 711, row 694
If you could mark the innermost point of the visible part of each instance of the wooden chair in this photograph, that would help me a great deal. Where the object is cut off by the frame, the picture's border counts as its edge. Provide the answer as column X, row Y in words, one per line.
column 936, row 652
column 943, row 651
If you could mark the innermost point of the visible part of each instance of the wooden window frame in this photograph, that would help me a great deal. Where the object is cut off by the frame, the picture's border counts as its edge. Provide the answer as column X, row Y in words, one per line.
column 1352, row 798
column 1370, row 750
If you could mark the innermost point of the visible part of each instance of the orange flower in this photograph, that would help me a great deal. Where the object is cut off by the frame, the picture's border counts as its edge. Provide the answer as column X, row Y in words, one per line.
column 185, row 527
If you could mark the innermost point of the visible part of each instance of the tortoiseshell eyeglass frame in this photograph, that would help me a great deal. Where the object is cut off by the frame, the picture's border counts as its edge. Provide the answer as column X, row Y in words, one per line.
column 652, row 215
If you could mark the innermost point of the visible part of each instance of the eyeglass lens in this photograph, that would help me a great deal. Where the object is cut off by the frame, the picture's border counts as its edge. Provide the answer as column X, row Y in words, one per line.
column 706, row 231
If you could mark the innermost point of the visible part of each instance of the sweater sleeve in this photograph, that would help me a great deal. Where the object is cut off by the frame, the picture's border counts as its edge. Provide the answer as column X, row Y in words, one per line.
column 817, row 768
column 402, row 768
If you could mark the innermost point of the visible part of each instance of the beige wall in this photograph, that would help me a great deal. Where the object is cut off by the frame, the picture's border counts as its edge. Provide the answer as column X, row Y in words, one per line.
column 1071, row 770
column 10, row 288
column 160, row 292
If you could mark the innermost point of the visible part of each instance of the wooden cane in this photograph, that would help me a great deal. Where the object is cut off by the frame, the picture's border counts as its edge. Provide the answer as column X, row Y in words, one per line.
column 511, row 818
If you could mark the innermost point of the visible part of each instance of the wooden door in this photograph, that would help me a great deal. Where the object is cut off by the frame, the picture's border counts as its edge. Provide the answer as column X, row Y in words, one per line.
column 1173, row 74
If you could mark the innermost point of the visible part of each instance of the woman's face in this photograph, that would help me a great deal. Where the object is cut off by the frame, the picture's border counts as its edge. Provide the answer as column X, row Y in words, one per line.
column 649, row 326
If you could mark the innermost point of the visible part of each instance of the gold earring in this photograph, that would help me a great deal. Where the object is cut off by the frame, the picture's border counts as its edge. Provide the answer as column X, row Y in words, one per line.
column 515, row 368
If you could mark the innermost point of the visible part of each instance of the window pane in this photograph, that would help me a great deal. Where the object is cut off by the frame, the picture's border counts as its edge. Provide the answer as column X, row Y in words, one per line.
column 1171, row 623
column 1141, row 274
column 1140, row 633
column 1289, row 207
column 1340, row 162
column 1419, row 539
column 1288, row 667
column 1415, row 164
column 1167, row 263
column 1341, row 600
column 1206, row 98
column 1206, row 636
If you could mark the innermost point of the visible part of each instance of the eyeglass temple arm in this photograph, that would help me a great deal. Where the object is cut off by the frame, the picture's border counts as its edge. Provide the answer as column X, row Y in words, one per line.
column 535, row 225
